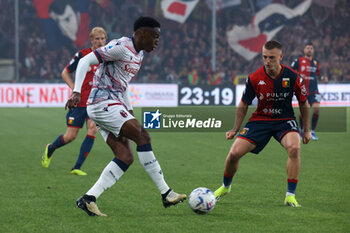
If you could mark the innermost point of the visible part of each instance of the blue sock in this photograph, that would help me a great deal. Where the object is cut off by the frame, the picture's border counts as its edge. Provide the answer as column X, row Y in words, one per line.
column 84, row 150
column 227, row 180
column 292, row 185
column 146, row 147
column 121, row 164
column 314, row 121
column 56, row 144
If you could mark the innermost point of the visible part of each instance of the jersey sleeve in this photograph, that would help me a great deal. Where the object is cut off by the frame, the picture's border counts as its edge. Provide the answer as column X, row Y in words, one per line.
column 72, row 65
column 300, row 90
column 248, row 93
column 295, row 65
column 113, row 51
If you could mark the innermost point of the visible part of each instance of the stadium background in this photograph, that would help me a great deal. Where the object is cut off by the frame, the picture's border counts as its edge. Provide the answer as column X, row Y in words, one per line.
column 184, row 48
column 43, row 200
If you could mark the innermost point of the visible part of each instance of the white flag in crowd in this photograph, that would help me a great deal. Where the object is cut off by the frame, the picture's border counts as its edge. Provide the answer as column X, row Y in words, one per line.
column 248, row 40
column 221, row 4
column 178, row 10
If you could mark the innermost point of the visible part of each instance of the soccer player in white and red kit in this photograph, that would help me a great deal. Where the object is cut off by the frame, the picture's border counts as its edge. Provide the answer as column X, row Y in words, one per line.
column 309, row 70
column 273, row 85
column 76, row 118
column 108, row 106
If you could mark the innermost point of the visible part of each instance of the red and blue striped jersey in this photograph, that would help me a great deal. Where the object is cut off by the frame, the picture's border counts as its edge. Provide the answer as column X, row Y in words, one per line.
column 309, row 69
column 87, row 85
column 274, row 95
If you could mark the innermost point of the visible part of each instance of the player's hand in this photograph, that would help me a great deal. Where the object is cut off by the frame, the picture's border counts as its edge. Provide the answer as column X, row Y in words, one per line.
column 73, row 101
column 306, row 137
column 132, row 112
column 230, row 134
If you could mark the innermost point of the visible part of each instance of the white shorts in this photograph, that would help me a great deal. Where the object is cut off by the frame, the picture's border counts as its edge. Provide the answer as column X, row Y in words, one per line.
column 109, row 117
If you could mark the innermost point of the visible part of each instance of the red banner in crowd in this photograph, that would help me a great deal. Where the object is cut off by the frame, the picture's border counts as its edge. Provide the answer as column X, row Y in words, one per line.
column 64, row 21
column 178, row 10
column 248, row 40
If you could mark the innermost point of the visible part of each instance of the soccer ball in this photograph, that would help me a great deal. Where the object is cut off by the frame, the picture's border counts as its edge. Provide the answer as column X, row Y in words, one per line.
column 202, row 200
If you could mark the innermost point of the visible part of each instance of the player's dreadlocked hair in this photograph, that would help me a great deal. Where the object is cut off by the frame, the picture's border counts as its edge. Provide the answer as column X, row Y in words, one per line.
column 145, row 21
column 273, row 44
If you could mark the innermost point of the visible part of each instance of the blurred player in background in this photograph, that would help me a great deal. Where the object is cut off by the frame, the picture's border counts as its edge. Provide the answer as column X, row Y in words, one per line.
column 309, row 70
column 76, row 117
column 273, row 84
column 109, row 104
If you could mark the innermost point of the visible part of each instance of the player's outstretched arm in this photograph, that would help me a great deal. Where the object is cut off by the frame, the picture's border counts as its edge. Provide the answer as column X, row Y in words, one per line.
column 241, row 112
column 82, row 69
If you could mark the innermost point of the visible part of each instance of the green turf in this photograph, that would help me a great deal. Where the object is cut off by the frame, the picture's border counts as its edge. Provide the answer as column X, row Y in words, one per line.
column 34, row 199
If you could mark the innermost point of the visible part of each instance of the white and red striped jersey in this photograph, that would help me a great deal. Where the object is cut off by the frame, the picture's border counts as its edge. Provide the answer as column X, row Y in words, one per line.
column 119, row 64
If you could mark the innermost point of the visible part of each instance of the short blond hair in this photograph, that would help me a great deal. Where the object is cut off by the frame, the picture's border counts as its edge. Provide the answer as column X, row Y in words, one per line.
column 97, row 30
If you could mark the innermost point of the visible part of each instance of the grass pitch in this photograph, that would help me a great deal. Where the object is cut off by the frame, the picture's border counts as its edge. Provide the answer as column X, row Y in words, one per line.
column 35, row 199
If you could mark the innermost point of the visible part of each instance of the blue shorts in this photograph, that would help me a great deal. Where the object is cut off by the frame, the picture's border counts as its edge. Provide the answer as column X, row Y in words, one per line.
column 260, row 132
column 76, row 117
column 314, row 98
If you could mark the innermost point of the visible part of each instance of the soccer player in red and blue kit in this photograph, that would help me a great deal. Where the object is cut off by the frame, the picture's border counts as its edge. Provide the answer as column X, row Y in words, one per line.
column 274, row 85
column 309, row 70
column 75, row 118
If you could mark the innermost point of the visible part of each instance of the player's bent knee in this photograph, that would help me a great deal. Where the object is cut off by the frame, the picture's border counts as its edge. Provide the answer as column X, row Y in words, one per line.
column 293, row 151
column 92, row 131
column 233, row 156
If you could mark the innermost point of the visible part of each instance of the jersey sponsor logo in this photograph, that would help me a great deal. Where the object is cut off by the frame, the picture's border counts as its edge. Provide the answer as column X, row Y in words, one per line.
column 285, row 82
column 244, row 131
column 277, row 95
column 272, row 111
column 131, row 70
column 261, row 82
column 274, row 96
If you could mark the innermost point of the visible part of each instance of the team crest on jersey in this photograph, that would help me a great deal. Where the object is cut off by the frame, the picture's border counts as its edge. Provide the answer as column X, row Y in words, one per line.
column 70, row 120
column 315, row 62
column 285, row 82
column 123, row 113
column 244, row 131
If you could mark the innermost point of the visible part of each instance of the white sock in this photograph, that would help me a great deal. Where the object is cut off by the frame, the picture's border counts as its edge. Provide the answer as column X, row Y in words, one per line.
column 108, row 177
column 289, row 194
column 152, row 167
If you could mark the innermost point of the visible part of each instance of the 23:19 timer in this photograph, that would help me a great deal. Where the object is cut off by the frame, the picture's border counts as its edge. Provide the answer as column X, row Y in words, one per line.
column 211, row 95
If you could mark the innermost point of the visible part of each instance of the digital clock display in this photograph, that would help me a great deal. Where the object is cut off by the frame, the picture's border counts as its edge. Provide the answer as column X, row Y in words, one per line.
column 206, row 95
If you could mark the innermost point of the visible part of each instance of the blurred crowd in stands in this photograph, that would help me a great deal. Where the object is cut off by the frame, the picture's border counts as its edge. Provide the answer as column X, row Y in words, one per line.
column 184, row 53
